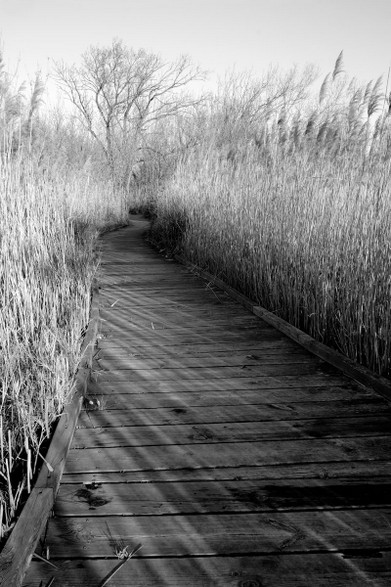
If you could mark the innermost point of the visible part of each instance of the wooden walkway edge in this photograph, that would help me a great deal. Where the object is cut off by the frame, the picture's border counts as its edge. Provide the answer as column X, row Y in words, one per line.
column 22, row 542
column 231, row 454
column 344, row 364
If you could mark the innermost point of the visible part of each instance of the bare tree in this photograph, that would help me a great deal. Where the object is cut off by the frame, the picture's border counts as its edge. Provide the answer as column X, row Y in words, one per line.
column 120, row 93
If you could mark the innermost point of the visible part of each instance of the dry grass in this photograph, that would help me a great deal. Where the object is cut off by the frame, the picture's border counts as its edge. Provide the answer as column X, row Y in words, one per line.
column 48, row 231
column 284, row 198
column 54, row 200
column 295, row 212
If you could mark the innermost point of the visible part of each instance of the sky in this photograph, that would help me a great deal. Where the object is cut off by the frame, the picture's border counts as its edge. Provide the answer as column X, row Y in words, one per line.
column 217, row 34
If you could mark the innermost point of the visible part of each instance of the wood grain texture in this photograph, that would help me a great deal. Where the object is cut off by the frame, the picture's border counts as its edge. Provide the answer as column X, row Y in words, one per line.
column 222, row 534
column 347, row 471
column 203, row 432
column 20, row 546
column 221, row 408
column 233, row 455
column 220, row 496
column 348, row 569
column 279, row 383
column 197, row 455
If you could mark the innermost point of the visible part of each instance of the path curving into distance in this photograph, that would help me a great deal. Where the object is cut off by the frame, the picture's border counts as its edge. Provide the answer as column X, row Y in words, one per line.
column 233, row 456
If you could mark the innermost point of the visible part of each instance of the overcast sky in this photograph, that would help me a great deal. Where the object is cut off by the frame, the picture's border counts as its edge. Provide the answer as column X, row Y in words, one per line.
column 217, row 34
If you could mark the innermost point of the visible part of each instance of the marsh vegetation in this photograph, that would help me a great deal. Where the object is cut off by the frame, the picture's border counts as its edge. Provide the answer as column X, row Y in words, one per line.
column 282, row 191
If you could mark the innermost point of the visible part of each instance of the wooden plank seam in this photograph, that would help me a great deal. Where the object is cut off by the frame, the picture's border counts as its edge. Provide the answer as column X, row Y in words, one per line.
column 348, row 367
column 22, row 542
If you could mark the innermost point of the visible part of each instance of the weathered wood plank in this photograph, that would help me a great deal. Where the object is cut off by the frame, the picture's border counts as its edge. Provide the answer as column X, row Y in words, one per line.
column 228, row 454
column 116, row 266
column 267, row 348
column 61, row 441
column 163, row 337
column 349, row 569
column 248, row 431
column 110, row 335
column 157, row 327
column 122, row 410
column 157, row 334
column 223, row 534
column 210, row 373
column 168, row 288
column 187, row 317
column 186, row 323
column 18, row 550
column 169, row 310
column 347, row 471
column 183, row 325
column 286, row 388
column 244, row 362
column 150, row 297
column 208, row 497
column 140, row 348
column 62, row 438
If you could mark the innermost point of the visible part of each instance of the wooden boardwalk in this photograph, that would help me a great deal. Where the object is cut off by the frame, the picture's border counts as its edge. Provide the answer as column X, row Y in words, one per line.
column 233, row 456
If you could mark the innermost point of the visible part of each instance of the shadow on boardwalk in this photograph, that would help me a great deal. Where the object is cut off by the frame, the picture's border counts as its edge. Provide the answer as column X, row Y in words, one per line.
column 231, row 454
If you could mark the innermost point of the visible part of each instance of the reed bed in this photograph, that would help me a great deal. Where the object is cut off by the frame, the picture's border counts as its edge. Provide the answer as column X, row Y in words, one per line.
column 48, row 230
column 296, row 214
column 285, row 199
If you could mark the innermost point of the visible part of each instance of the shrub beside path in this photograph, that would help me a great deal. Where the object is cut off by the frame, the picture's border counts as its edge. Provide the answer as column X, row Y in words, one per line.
column 212, row 449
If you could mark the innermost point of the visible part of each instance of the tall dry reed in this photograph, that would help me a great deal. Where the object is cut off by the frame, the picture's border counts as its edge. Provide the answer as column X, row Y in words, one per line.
column 295, row 212
column 48, row 230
